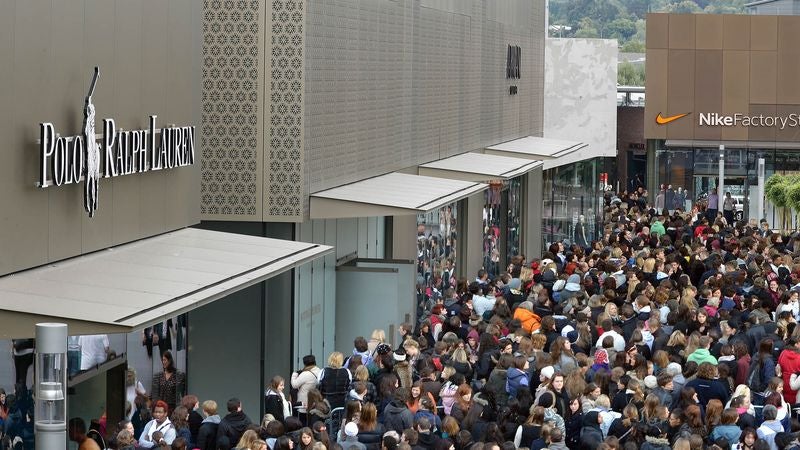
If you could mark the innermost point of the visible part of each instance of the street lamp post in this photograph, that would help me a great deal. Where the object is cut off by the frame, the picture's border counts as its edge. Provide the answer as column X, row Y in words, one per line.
column 50, row 417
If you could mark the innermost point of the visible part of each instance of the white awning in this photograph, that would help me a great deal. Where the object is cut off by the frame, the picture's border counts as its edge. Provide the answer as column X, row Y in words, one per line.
column 478, row 167
column 393, row 194
column 533, row 147
column 129, row 287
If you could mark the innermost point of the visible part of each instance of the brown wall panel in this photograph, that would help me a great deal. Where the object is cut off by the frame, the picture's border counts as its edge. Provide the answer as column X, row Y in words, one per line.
column 762, row 133
column 787, row 91
column 128, row 57
column 788, row 34
column 656, row 88
column 24, row 208
column 66, row 203
column 763, row 32
column 736, row 32
column 763, row 75
column 708, row 90
column 788, row 133
column 680, row 87
column 735, row 89
column 708, row 31
column 152, row 185
column 657, row 31
column 681, row 31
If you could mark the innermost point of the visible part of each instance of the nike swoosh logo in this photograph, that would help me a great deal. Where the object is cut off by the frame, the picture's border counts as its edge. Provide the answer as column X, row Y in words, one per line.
column 665, row 120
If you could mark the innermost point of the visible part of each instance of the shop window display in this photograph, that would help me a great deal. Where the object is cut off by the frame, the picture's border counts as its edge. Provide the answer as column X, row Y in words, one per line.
column 572, row 202
column 502, row 224
column 436, row 249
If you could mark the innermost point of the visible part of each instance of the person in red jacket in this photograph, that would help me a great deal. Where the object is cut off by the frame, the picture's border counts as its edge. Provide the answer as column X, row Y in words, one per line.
column 789, row 363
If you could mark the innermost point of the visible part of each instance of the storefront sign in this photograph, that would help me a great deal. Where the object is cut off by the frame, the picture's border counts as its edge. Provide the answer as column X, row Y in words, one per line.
column 513, row 60
column 116, row 152
column 735, row 120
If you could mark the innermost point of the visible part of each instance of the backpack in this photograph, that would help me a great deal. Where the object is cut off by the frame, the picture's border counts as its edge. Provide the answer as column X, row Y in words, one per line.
column 754, row 378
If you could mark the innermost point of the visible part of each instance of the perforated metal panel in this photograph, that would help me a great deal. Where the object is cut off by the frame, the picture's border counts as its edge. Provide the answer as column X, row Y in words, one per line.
column 283, row 199
column 232, row 125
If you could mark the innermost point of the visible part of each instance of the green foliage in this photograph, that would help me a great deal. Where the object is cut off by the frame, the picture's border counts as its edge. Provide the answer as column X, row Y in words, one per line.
column 775, row 190
column 684, row 7
column 624, row 19
column 632, row 47
column 792, row 194
column 630, row 75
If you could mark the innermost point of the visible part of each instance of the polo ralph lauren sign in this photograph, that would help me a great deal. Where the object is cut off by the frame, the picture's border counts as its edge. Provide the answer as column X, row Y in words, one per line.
column 513, row 61
column 67, row 160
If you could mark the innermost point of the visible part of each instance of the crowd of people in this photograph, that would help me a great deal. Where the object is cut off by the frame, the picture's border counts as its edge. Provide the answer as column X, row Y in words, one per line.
column 673, row 330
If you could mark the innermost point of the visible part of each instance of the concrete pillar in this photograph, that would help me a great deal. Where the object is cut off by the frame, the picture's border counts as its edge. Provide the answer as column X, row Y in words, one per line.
column 721, row 185
column 472, row 234
column 534, row 188
column 404, row 237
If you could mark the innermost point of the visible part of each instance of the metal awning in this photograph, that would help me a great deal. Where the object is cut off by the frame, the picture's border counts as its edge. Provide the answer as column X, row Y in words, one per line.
column 393, row 194
column 478, row 167
column 132, row 286
column 533, row 147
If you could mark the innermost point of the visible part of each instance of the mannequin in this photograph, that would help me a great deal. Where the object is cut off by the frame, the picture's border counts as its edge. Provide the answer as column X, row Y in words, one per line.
column 580, row 232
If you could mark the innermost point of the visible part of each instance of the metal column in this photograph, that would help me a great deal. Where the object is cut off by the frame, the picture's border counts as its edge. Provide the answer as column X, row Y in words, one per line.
column 721, row 184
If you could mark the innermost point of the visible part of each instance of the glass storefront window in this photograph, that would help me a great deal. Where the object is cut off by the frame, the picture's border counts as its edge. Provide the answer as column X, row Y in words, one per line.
column 514, row 222
column 436, row 248
column 493, row 216
column 572, row 202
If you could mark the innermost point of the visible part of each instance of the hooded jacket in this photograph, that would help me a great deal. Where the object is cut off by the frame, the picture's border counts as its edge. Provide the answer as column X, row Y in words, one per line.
column 702, row 355
column 789, row 361
column 231, row 428
column 591, row 436
column 207, row 434
column 729, row 432
column 530, row 320
column 515, row 379
column 768, row 430
column 397, row 417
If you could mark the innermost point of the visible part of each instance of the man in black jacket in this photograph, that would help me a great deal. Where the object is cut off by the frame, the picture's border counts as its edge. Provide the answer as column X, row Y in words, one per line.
column 232, row 427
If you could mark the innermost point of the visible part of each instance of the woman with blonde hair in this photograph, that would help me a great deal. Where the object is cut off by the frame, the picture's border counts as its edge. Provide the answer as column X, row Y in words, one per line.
column 247, row 440
column 334, row 380
column 378, row 337
column 460, row 363
column 362, row 374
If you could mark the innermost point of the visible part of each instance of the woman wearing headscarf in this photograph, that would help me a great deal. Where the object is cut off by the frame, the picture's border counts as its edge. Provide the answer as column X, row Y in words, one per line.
column 600, row 364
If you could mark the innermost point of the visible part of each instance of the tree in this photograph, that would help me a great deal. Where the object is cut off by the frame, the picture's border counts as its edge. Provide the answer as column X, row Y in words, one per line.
column 632, row 46
column 587, row 29
column 684, row 7
column 621, row 29
column 630, row 75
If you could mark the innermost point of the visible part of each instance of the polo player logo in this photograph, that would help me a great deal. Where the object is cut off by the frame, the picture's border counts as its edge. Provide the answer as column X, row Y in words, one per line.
column 92, row 151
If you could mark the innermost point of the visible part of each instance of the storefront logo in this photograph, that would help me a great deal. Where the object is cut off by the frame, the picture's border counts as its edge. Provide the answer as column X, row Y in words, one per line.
column 513, row 59
column 119, row 152
column 745, row 120
column 661, row 120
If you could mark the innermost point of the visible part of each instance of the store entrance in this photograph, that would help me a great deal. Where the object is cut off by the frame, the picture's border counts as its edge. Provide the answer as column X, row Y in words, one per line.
column 737, row 186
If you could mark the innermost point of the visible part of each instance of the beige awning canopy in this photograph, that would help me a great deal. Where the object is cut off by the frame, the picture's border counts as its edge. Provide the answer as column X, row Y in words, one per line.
column 134, row 285
column 537, row 148
column 393, row 194
column 479, row 167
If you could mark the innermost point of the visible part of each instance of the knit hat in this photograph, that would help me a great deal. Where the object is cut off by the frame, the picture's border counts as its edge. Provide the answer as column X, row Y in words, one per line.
column 601, row 356
column 515, row 284
column 573, row 283
column 547, row 400
column 383, row 349
column 650, row 382
column 559, row 285
column 547, row 372
column 399, row 355
column 351, row 429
